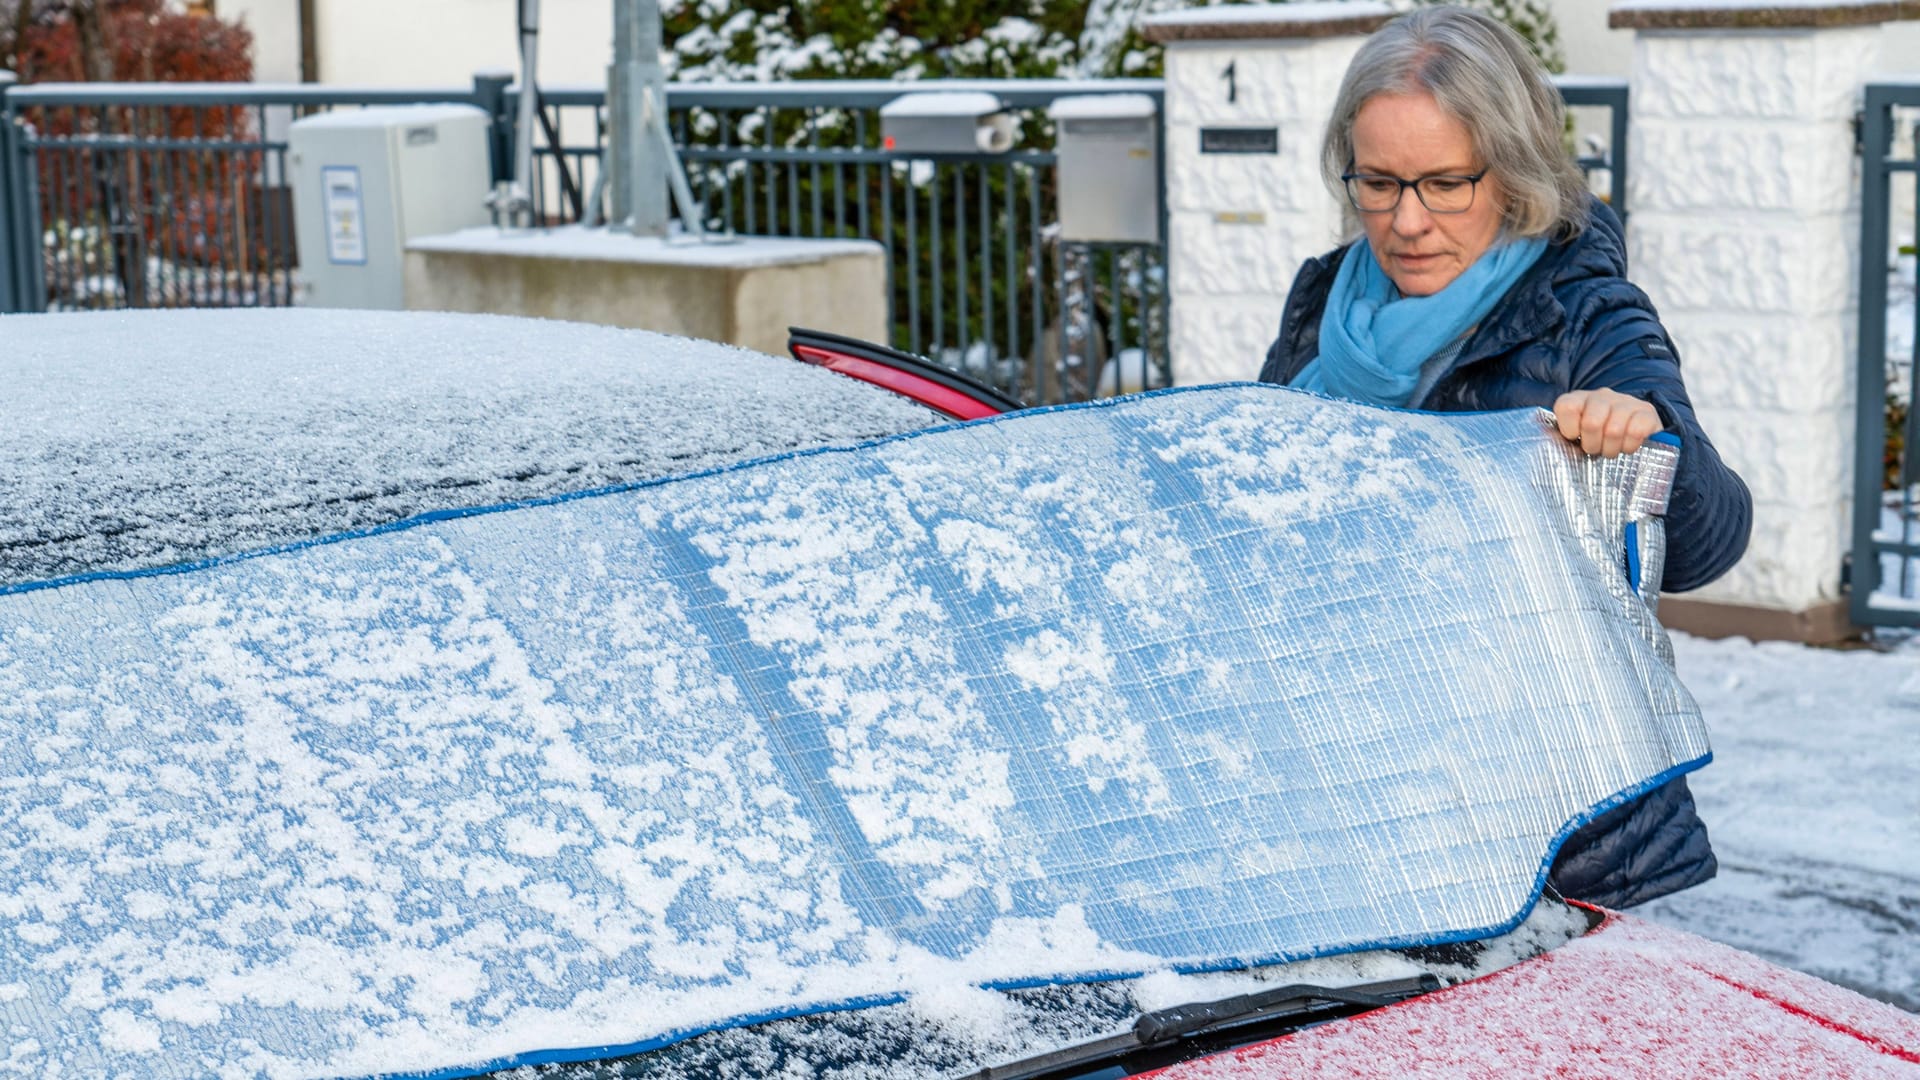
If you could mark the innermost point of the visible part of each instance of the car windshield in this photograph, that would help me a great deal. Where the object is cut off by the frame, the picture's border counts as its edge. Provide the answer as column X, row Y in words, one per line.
column 1197, row 681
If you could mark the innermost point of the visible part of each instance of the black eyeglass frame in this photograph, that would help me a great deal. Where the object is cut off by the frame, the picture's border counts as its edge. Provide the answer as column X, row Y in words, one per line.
column 1473, row 182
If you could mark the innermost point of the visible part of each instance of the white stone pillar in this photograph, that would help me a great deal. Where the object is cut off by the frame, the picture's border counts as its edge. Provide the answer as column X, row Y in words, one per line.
column 1743, row 192
column 1242, row 217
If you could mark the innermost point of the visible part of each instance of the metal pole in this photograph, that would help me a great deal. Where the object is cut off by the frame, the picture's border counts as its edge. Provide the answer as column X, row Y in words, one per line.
column 636, row 87
column 529, row 100
column 10, row 255
column 309, row 43
column 490, row 94
column 1870, row 387
column 512, row 198
column 1618, row 153
column 655, row 110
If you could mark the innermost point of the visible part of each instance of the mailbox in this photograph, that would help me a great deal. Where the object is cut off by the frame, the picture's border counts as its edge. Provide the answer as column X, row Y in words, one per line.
column 1109, row 168
column 946, row 122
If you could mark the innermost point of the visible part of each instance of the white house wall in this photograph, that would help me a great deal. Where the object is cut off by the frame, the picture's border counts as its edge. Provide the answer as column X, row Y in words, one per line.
column 1590, row 47
column 422, row 42
column 426, row 42
column 276, row 36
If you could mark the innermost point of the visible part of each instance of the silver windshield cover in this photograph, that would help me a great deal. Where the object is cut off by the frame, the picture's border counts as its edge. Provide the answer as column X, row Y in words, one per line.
column 1194, row 679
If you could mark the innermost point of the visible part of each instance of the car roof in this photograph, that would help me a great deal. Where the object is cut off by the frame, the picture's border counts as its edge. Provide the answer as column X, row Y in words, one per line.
column 150, row 438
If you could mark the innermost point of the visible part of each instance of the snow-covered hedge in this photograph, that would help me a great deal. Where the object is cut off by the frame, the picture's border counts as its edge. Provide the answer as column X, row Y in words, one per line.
column 890, row 39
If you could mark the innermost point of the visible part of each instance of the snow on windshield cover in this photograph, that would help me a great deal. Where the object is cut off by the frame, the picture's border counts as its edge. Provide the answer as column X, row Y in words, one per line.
column 1188, row 680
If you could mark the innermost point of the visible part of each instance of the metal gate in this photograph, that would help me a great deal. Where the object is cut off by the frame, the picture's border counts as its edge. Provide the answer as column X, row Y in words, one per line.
column 143, row 195
column 1885, row 570
column 133, row 195
column 979, row 282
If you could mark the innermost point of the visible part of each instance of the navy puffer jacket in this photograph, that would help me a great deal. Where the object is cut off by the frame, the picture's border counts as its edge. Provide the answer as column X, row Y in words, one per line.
column 1574, row 322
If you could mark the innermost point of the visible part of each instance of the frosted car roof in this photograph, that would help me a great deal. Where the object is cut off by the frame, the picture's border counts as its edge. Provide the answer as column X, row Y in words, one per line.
column 145, row 438
column 1195, row 679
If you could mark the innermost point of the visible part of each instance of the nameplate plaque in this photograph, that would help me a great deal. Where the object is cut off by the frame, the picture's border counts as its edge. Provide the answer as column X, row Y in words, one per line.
column 1240, row 140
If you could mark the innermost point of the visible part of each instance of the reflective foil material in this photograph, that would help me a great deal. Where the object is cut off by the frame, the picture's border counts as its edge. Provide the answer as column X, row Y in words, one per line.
column 1627, row 495
column 1197, row 678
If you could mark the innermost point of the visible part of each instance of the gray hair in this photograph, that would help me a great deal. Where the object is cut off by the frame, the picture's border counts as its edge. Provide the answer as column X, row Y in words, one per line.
column 1482, row 75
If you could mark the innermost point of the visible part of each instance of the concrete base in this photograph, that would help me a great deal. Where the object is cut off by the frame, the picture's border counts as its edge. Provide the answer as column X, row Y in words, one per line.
column 1823, row 625
column 744, row 293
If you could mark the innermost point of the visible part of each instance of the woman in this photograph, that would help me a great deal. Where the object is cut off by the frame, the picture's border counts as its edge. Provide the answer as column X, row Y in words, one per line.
column 1486, row 276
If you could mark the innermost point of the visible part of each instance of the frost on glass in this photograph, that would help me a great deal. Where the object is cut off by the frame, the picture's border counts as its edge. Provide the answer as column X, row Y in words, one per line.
column 1189, row 680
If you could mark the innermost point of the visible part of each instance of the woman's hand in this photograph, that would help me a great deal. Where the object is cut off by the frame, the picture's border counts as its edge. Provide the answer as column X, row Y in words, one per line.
column 1604, row 422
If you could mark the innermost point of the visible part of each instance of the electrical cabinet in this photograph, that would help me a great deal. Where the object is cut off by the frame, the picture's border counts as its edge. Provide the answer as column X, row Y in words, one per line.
column 365, row 181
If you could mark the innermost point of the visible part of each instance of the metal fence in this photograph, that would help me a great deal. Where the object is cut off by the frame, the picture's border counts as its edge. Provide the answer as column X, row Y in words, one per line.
column 979, row 280
column 804, row 159
column 1884, row 578
column 172, row 195
column 151, row 196
column 155, row 195
column 1598, row 104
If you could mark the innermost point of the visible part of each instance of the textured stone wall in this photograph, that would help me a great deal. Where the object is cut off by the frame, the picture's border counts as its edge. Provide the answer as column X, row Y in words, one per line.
column 1745, row 226
column 1241, row 224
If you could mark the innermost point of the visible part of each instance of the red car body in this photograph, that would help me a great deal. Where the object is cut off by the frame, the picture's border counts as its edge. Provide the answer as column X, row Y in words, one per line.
column 1630, row 999
column 946, row 392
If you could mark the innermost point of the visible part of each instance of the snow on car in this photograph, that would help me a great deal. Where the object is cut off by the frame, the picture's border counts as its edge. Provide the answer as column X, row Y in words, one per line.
column 435, row 694
column 139, row 439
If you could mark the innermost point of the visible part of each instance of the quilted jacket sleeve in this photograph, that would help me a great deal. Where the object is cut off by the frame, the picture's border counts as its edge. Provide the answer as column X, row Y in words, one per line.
column 1646, row 848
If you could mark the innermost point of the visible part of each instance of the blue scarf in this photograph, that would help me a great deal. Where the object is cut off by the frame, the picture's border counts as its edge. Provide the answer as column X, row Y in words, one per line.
column 1373, row 341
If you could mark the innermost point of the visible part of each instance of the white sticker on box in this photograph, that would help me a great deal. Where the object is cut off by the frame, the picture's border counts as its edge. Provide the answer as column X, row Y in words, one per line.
column 346, row 215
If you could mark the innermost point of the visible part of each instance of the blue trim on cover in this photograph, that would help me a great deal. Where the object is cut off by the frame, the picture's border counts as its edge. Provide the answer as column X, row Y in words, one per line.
column 433, row 516
column 614, row 489
column 1632, row 535
column 600, row 1053
column 1633, row 556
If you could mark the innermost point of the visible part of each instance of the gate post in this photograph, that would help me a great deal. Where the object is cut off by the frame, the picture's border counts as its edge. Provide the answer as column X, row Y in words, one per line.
column 1745, row 226
column 10, row 256
column 490, row 94
column 1249, row 88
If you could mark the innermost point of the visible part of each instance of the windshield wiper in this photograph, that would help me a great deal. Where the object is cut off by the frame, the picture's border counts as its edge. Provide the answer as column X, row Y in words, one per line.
column 1161, row 1033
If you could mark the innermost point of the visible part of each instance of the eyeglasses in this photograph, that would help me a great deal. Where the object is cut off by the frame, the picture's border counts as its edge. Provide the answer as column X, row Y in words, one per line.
column 1372, row 194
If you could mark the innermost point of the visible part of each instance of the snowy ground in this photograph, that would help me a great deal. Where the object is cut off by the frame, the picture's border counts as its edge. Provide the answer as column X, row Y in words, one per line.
column 1813, row 801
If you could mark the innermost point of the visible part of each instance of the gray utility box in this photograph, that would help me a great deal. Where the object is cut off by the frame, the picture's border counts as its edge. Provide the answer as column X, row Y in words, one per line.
column 946, row 122
column 365, row 181
column 1109, row 168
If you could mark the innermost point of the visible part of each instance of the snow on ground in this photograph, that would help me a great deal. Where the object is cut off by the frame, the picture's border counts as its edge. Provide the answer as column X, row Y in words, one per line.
column 1814, row 808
